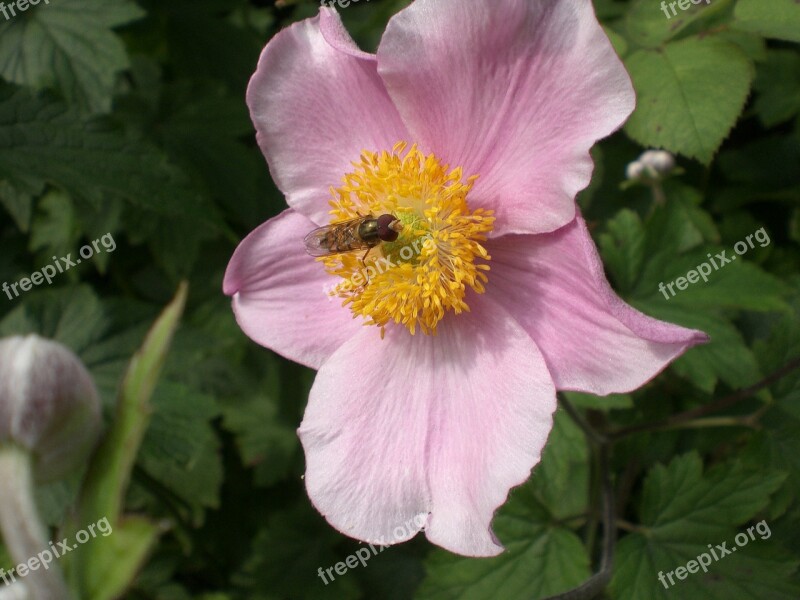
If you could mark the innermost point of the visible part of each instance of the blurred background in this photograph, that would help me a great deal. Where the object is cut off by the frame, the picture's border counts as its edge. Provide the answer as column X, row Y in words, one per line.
column 125, row 121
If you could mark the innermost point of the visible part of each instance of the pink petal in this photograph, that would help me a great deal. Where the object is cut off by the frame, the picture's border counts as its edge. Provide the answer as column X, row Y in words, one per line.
column 280, row 293
column 555, row 286
column 317, row 102
column 515, row 91
column 439, row 427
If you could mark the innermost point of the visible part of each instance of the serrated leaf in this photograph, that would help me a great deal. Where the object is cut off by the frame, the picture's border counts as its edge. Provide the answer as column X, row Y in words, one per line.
column 541, row 558
column 622, row 248
column 683, row 511
column 561, row 480
column 689, row 201
column 68, row 45
column 725, row 357
column 739, row 284
column 43, row 142
column 265, row 443
column 72, row 316
column 287, row 555
column 680, row 225
column 690, row 94
column 180, row 448
column 55, row 229
column 771, row 18
column 203, row 130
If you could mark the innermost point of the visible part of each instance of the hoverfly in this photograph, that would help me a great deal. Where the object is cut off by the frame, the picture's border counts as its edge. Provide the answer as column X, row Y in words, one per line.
column 355, row 234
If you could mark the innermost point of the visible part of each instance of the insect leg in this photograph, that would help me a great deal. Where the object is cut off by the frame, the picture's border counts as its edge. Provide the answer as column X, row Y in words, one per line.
column 364, row 264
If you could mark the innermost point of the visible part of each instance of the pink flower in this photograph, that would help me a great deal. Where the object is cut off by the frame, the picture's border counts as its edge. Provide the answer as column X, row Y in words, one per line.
column 472, row 126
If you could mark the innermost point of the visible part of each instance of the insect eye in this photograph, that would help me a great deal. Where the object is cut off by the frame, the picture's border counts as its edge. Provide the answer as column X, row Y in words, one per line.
column 389, row 227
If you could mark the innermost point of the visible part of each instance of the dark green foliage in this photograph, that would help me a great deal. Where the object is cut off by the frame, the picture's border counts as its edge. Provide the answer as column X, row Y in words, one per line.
column 129, row 118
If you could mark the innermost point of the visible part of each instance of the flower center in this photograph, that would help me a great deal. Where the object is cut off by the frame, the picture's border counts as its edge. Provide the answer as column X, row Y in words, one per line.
column 426, row 271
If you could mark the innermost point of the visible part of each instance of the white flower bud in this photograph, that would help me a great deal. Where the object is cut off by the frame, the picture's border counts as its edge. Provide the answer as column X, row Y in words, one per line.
column 660, row 161
column 48, row 404
column 634, row 171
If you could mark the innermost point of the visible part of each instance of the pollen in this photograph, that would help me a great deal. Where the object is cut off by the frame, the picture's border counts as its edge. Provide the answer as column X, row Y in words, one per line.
column 438, row 255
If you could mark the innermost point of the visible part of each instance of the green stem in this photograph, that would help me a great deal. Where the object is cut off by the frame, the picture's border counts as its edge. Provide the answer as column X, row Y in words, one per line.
column 659, row 197
column 594, row 586
column 746, row 421
column 23, row 533
column 725, row 403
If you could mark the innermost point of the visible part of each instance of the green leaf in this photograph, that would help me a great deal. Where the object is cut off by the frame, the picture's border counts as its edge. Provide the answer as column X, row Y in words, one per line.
column 622, row 248
column 683, row 511
column 782, row 421
column 725, row 357
column 68, row 45
column 690, row 94
column 610, row 402
column 679, row 226
column 541, row 556
column 204, row 46
column 650, row 24
column 778, row 87
column 771, row 18
column 42, row 142
column 753, row 45
column 72, row 316
column 620, row 45
column 287, row 555
column 55, row 229
column 561, row 480
column 18, row 202
column 739, row 284
column 118, row 557
column 265, row 443
column 688, row 202
column 720, row 277
column 109, row 472
column 203, row 129
column 180, row 448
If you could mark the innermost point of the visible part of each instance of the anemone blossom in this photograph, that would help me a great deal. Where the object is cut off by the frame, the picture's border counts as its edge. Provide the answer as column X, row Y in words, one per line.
column 440, row 354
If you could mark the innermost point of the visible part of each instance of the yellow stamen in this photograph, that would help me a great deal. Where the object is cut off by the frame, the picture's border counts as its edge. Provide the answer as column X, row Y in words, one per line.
column 415, row 280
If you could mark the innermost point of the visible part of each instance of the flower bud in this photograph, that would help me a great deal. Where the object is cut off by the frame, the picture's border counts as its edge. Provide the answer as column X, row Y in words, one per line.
column 48, row 404
column 634, row 171
column 651, row 167
column 660, row 161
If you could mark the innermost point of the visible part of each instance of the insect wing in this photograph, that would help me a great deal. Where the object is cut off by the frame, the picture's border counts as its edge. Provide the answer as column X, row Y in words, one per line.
column 334, row 238
column 318, row 240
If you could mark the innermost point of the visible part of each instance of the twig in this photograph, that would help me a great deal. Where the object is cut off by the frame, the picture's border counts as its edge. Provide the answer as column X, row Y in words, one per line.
column 595, row 585
column 712, row 407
